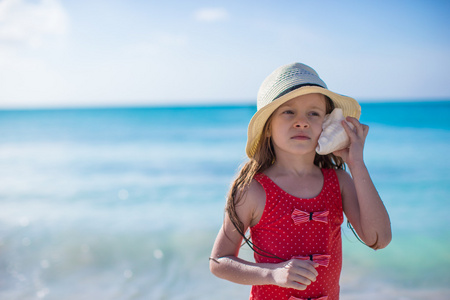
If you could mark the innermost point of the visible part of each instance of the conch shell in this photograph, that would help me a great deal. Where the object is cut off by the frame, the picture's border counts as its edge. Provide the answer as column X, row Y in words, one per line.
column 333, row 135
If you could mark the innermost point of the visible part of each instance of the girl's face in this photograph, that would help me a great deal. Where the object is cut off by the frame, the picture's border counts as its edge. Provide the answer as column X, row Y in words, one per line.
column 297, row 124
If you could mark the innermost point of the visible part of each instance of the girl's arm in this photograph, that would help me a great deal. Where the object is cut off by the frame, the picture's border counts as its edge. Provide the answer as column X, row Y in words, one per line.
column 362, row 204
column 225, row 264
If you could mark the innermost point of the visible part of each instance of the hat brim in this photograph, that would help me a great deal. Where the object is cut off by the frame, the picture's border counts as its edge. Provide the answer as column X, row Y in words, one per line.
column 350, row 108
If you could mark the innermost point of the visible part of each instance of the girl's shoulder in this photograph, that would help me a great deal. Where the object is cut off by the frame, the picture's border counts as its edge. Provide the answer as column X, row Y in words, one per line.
column 344, row 178
column 254, row 190
column 254, row 200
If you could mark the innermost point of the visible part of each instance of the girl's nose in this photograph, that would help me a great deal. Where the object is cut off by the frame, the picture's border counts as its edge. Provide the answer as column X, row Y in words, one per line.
column 301, row 123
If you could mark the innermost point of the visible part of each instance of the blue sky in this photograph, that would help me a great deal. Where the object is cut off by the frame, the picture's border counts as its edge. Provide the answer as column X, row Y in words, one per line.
column 61, row 53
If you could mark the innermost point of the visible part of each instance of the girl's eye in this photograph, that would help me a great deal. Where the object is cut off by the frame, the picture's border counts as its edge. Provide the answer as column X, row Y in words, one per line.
column 314, row 114
column 288, row 112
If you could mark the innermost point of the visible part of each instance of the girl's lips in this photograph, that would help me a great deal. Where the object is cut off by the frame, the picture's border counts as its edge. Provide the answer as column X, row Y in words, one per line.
column 301, row 137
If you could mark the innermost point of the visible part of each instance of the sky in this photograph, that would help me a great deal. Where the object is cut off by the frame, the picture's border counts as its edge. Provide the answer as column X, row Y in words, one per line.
column 97, row 53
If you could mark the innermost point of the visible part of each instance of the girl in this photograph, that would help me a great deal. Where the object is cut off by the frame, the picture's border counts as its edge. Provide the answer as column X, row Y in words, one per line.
column 292, row 198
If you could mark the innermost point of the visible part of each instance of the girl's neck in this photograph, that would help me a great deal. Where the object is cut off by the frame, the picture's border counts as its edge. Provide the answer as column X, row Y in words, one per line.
column 300, row 165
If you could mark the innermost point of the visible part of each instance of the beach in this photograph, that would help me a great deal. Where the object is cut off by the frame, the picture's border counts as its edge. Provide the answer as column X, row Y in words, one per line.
column 125, row 203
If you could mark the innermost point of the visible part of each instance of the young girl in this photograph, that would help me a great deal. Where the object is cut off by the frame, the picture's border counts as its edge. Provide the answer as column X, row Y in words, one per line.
column 293, row 199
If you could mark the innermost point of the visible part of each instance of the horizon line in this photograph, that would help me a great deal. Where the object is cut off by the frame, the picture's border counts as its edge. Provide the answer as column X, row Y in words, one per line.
column 232, row 104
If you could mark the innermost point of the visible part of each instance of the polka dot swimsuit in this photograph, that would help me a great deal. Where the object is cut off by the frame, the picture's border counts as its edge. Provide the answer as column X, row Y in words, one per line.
column 302, row 228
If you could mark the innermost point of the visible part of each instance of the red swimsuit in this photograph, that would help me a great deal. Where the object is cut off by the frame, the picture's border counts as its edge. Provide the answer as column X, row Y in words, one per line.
column 305, row 229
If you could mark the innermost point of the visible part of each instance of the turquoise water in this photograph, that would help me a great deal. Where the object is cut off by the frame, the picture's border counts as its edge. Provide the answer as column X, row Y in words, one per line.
column 125, row 203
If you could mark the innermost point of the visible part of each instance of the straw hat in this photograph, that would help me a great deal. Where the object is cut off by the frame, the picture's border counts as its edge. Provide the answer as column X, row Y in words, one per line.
column 286, row 83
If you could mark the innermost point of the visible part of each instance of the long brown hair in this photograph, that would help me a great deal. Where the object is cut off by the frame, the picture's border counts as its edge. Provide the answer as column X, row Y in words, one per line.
column 261, row 161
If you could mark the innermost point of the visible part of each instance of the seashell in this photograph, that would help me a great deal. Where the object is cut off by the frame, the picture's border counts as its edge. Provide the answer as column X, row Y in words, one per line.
column 333, row 135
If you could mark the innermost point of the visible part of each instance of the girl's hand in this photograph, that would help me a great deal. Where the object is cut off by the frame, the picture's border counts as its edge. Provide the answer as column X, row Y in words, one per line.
column 295, row 273
column 354, row 153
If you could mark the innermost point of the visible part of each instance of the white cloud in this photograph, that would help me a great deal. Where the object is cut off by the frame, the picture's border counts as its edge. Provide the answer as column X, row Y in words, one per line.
column 30, row 24
column 26, row 27
column 211, row 14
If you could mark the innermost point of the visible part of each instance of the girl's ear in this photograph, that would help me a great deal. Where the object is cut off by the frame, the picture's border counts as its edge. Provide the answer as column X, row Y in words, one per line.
column 268, row 132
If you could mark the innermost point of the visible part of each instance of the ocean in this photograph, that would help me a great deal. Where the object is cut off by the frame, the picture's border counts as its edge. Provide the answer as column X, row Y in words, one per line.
column 125, row 203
